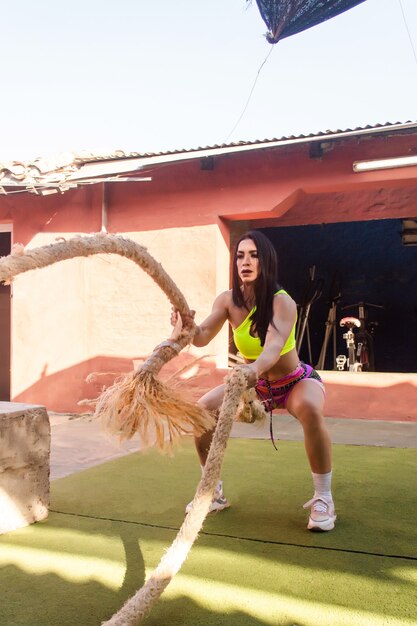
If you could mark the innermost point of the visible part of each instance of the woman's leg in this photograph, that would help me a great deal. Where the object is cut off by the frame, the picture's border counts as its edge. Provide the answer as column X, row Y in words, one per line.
column 306, row 403
column 211, row 401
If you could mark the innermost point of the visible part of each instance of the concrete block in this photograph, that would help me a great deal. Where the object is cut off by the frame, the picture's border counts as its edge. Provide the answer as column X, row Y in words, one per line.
column 25, row 443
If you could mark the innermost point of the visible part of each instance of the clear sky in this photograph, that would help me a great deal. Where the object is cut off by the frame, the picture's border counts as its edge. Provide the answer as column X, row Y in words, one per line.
column 144, row 76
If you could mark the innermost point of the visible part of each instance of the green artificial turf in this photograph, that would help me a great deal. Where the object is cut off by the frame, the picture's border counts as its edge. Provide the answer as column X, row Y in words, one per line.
column 253, row 564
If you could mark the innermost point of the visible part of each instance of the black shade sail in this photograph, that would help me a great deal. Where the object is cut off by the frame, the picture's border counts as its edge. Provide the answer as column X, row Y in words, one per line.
column 287, row 17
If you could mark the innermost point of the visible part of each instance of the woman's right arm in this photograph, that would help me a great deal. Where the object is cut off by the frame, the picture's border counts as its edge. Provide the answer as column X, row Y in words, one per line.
column 211, row 326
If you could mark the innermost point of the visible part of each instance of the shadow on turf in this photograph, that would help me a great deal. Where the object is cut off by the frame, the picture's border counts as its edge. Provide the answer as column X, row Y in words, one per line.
column 56, row 602
column 30, row 599
column 50, row 600
column 183, row 611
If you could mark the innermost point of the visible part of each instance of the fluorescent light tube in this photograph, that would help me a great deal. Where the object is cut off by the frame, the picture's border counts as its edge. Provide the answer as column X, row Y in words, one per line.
column 384, row 164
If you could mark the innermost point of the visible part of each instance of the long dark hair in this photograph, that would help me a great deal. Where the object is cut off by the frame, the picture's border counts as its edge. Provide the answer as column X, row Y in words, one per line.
column 265, row 286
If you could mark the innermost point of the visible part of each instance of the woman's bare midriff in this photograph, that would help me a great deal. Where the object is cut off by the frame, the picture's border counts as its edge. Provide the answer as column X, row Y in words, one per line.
column 286, row 364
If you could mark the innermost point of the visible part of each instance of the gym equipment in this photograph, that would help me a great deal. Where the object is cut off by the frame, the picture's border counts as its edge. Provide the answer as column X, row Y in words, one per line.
column 330, row 326
column 363, row 338
column 312, row 293
column 354, row 352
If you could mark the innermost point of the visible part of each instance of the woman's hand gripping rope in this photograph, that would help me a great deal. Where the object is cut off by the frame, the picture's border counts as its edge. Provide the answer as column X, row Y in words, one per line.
column 178, row 324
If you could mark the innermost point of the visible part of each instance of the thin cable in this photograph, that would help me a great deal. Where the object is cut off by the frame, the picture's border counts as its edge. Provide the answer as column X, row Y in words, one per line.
column 408, row 31
column 250, row 95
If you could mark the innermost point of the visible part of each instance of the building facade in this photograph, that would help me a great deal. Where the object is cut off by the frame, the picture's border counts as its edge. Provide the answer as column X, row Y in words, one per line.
column 325, row 216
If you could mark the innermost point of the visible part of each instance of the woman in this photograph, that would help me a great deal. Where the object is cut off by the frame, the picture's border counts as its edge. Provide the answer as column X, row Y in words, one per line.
column 263, row 318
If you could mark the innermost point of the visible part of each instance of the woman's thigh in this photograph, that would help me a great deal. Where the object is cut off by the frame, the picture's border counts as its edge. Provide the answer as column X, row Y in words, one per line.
column 213, row 399
column 306, row 400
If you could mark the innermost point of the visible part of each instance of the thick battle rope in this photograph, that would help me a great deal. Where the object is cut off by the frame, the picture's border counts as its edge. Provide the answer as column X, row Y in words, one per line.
column 138, row 402
column 136, row 608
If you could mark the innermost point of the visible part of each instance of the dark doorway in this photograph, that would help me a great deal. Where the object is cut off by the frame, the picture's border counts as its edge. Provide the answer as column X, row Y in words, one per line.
column 5, row 246
column 370, row 263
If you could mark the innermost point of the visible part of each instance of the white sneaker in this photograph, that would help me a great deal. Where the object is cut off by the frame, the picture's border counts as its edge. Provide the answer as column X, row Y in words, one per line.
column 218, row 503
column 322, row 514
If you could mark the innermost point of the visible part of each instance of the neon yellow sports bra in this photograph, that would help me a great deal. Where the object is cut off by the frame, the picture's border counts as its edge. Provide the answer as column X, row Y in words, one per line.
column 250, row 347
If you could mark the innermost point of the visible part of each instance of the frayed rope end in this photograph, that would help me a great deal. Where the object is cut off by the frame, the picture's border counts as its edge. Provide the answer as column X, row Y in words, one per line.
column 139, row 403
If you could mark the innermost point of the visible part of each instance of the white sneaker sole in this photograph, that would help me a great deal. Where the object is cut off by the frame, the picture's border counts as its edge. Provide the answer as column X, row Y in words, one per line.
column 216, row 508
column 323, row 526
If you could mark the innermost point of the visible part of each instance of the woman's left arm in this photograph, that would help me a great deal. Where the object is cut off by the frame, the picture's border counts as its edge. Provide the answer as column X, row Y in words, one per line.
column 284, row 316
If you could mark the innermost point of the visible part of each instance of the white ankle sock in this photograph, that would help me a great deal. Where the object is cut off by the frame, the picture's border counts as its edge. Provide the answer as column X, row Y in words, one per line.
column 322, row 485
